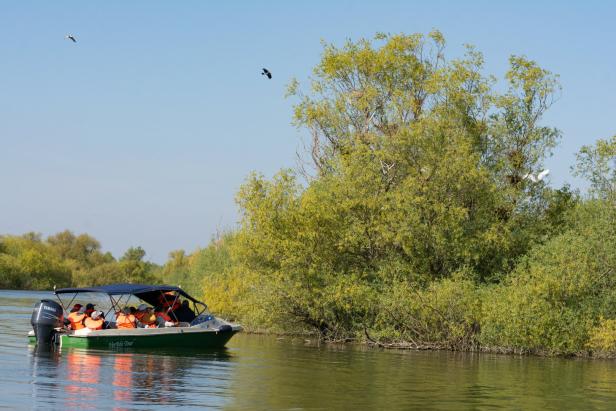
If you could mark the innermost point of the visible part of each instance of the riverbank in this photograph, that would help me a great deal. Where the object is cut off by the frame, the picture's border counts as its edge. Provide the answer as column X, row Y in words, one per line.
column 312, row 339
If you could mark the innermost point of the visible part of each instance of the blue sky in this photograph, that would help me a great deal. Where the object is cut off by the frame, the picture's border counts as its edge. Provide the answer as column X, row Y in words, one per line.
column 142, row 132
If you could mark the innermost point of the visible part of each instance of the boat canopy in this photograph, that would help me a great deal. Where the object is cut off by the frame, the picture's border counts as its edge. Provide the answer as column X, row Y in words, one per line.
column 148, row 293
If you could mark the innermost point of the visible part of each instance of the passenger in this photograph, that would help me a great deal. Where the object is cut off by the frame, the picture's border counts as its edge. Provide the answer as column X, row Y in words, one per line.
column 106, row 324
column 89, row 309
column 145, row 316
column 76, row 317
column 168, row 300
column 184, row 313
column 95, row 321
column 124, row 319
column 164, row 319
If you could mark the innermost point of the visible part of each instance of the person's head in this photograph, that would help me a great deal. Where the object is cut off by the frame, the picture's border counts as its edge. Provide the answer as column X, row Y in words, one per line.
column 97, row 315
column 76, row 308
column 90, row 307
column 143, row 307
column 132, row 310
column 185, row 304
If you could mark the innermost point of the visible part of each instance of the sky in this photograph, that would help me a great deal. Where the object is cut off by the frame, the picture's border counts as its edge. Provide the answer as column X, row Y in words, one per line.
column 141, row 133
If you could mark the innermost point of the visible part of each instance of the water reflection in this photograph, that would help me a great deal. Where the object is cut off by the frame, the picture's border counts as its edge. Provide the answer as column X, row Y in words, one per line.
column 45, row 372
column 82, row 379
column 265, row 373
column 288, row 374
column 122, row 377
column 121, row 380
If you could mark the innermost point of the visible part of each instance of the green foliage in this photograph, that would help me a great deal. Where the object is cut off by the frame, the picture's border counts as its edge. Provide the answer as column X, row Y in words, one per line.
column 554, row 299
column 445, row 314
column 64, row 259
column 420, row 170
column 598, row 164
column 176, row 270
column 26, row 262
column 418, row 225
column 133, row 254
column 83, row 249
column 603, row 337
column 214, row 274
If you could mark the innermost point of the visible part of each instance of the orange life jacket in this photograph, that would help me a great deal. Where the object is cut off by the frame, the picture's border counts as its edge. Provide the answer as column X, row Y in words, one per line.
column 125, row 320
column 146, row 318
column 163, row 315
column 166, row 317
column 94, row 324
column 76, row 320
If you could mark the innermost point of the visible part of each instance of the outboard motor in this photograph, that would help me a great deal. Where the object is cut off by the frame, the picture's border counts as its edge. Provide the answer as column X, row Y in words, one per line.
column 46, row 316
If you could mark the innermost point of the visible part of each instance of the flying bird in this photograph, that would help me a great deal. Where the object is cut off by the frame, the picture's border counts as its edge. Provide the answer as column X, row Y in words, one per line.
column 538, row 177
column 71, row 38
column 267, row 73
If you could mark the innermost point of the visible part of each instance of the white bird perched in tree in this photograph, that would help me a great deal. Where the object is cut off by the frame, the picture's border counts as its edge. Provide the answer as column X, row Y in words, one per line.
column 538, row 177
column 71, row 38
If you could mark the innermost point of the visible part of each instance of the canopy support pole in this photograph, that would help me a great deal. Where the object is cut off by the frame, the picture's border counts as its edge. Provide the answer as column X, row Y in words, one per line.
column 115, row 304
column 62, row 302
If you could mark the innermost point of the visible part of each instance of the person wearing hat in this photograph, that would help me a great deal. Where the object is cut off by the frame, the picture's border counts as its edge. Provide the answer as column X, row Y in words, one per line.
column 90, row 309
column 145, row 316
column 95, row 320
column 76, row 317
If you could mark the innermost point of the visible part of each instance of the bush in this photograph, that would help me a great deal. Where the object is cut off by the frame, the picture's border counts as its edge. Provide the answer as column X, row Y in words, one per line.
column 603, row 337
column 445, row 314
column 556, row 296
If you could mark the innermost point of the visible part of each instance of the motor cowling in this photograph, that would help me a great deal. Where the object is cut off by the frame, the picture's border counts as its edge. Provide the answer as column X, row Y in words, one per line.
column 47, row 316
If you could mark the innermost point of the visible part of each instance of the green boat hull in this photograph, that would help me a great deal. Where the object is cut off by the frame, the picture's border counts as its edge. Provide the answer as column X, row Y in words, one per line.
column 121, row 340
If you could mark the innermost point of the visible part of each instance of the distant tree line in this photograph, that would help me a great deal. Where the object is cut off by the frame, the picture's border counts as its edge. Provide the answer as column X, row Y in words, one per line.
column 65, row 259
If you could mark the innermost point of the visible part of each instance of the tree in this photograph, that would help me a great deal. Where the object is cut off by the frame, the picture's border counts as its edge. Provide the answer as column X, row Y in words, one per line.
column 134, row 269
column 133, row 254
column 598, row 165
column 83, row 249
column 28, row 263
column 419, row 169
column 177, row 268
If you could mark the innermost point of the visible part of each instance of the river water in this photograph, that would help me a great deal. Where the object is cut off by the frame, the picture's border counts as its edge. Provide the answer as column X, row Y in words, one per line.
column 264, row 372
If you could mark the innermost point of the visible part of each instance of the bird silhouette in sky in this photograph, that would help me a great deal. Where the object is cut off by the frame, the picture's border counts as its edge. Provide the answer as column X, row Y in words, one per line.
column 71, row 38
column 267, row 73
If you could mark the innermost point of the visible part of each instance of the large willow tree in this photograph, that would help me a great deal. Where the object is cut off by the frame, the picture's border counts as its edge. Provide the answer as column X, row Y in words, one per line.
column 419, row 172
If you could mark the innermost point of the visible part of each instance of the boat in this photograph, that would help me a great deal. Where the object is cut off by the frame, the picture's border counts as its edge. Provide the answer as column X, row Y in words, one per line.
column 49, row 327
